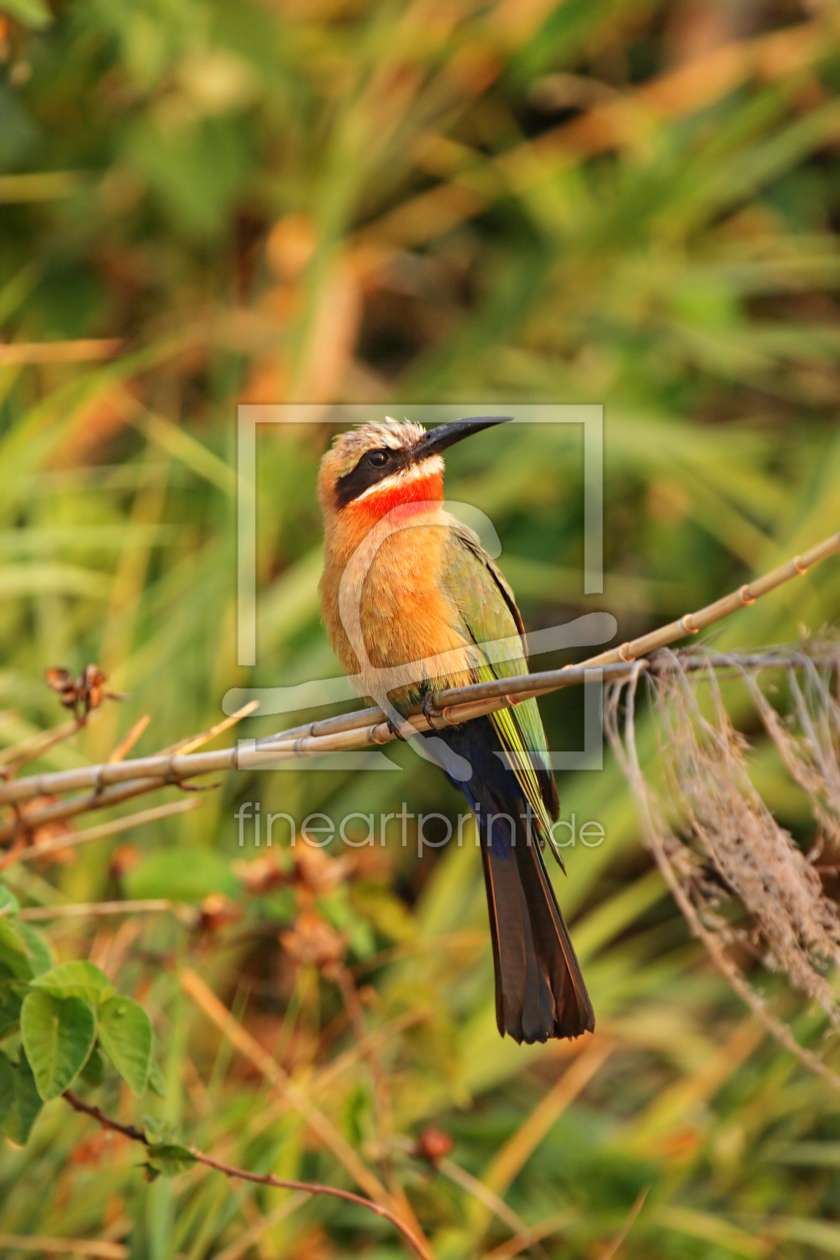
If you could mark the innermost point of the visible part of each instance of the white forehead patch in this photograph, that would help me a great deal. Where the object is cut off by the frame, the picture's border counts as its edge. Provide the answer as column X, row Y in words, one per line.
column 394, row 434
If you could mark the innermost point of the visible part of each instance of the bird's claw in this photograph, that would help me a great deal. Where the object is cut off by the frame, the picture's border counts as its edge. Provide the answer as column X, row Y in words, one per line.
column 432, row 713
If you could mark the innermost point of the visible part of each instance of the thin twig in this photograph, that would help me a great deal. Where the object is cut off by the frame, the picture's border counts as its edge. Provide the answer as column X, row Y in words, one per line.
column 60, row 843
column 17, row 755
column 543, row 1229
column 255, row 1232
column 130, row 738
column 493, row 1202
column 98, row 1247
column 97, row 909
column 192, row 742
column 616, row 1244
column 379, row 1081
column 261, row 1179
column 59, row 351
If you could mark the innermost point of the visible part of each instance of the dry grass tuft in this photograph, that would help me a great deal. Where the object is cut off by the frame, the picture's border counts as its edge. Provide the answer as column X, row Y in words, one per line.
column 741, row 877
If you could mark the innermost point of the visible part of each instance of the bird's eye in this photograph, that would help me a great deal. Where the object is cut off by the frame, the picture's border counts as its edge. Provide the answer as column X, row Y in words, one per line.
column 378, row 459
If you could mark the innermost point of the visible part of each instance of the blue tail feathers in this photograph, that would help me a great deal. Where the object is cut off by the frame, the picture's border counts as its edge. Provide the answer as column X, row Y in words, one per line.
column 540, row 991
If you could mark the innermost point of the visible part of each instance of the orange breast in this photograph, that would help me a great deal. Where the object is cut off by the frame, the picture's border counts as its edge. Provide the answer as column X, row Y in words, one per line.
column 405, row 617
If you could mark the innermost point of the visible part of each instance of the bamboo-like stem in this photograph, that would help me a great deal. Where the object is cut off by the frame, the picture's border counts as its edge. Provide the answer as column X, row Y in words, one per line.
column 691, row 623
column 349, row 731
column 77, row 805
column 114, row 782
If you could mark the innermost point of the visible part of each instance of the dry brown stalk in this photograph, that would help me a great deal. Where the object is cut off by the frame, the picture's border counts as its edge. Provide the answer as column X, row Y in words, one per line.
column 130, row 738
column 98, row 1247
column 617, row 1243
column 97, row 909
column 493, row 1203
column 799, row 927
column 794, row 918
column 17, row 755
column 59, row 351
column 584, row 1065
column 543, row 1229
column 252, row 1235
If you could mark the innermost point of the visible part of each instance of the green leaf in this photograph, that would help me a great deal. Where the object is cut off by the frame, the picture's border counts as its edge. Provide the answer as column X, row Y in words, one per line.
column 40, row 957
column 125, row 1034
column 93, row 1073
column 58, row 1035
column 158, row 1130
column 23, row 951
column 32, row 13
column 9, row 1010
column 8, row 901
column 19, row 1100
column 169, row 1159
column 14, row 951
column 156, row 1083
column 76, row 979
column 183, row 877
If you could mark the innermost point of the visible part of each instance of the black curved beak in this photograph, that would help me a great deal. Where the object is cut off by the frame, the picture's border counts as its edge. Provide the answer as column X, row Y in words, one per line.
column 446, row 435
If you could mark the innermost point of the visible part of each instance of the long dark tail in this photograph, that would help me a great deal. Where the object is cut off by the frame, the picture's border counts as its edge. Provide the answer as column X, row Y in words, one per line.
column 540, row 991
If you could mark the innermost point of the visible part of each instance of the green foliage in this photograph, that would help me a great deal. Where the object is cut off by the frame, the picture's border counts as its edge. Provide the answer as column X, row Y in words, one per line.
column 168, row 1159
column 20, row 1101
column 167, row 874
column 67, row 1017
column 76, row 979
column 34, row 13
column 58, row 1035
column 125, row 1034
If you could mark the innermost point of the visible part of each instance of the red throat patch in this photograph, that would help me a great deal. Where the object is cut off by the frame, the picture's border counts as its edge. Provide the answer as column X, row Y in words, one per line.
column 379, row 502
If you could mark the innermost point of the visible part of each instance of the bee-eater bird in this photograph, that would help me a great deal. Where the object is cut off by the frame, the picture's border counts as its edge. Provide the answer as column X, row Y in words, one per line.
column 427, row 589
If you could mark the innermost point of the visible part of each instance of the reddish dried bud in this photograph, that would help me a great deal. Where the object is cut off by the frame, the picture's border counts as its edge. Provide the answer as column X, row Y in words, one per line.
column 48, row 831
column 318, row 873
column 80, row 694
column 260, row 875
column 122, row 860
column 433, row 1145
column 312, row 941
column 92, row 1150
column 215, row 912
column 62, row 681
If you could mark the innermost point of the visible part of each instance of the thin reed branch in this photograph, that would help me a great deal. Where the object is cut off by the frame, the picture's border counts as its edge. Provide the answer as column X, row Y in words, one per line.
column 261, row 1179
column 115, row 781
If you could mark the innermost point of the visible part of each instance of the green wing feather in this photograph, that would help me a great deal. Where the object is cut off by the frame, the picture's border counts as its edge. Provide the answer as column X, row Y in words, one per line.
column 488, row 611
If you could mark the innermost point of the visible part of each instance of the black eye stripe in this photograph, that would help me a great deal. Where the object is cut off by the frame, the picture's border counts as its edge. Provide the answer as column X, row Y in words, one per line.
column 366, row 474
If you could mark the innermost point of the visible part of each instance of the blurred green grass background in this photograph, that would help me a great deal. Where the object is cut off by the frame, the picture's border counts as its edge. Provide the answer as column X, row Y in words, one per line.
column 202, row 204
